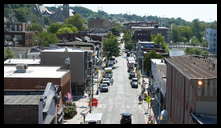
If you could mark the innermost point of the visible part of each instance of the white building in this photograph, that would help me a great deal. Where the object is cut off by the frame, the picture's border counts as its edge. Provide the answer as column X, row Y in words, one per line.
column 158, row 69
column 211, row 37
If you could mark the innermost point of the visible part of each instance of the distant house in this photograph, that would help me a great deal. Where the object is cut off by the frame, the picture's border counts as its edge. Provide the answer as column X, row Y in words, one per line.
column 99, row 25
column 144, row 33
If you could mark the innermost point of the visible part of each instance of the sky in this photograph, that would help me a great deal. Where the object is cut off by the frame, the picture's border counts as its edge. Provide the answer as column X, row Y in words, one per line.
column 204, row 12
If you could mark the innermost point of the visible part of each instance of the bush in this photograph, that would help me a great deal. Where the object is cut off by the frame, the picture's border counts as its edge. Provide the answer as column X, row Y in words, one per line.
column 70, row 110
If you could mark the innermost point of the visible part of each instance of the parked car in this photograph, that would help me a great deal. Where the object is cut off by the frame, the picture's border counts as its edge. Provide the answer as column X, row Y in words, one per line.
column 132, row 75
column 108, row 79
column 108, row 75
column 103, row 87
column 134, row 82
column 126, row 118
column 106, row 82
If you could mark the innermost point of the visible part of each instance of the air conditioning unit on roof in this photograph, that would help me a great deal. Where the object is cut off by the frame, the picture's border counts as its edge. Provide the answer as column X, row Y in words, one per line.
column 21, row 68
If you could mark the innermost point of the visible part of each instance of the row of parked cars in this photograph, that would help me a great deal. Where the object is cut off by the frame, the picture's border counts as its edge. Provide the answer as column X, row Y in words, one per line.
column 108, row 75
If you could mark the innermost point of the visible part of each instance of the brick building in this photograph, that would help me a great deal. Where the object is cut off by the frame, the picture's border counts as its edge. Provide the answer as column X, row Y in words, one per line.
column 35, row 78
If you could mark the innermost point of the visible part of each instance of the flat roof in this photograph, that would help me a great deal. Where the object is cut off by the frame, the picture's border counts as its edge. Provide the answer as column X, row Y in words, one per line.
column 143, row 27
column 22, row 99
column 25, row 61
column 63, row 50
column 158, row 61
column 193, row 67
column 35, row 72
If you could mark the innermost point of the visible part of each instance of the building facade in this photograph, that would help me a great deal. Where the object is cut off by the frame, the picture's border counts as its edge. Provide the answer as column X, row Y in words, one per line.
column 33, row 107
column 79, row 65
column 191, row 90
column 144, row 33
column 211, row 37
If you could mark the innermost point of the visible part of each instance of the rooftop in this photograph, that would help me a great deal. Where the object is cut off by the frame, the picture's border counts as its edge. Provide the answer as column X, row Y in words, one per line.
column 22, row 99
column 35, row 72
column 194, row 67
column 63, row 50
column 143, row 27
column 25, row 61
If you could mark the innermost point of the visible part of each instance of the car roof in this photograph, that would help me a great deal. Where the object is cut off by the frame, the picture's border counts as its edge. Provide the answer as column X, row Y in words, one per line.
column 126, row 114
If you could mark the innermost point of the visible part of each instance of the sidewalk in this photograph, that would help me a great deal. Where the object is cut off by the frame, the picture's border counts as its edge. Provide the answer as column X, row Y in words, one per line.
column 82, row 105
column 148, row 110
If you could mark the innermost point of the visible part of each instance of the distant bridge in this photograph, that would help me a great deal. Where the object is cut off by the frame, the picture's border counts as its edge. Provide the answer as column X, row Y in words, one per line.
column 186, row 46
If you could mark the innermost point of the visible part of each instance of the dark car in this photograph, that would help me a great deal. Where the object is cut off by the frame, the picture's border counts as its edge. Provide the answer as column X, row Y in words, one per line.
column 126, row 118
column 134, row 82
column 103, row 88
column 132, row 75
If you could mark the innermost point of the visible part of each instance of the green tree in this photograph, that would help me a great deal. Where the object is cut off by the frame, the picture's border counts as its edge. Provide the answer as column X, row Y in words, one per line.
column 159, row 39
column 147, row 57
column 76, row 21
column 194, row 41
column 8, row 53
column 196, row 51
column 35, row 27
column 111, row 46
column 22, row 14
column 65, row 30
column 53, row 28
column 117, row 29
column 45, row 38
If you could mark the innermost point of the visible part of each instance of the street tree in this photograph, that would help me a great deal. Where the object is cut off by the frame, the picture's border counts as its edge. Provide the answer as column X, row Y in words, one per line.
column 111, row 46
column 147, row 57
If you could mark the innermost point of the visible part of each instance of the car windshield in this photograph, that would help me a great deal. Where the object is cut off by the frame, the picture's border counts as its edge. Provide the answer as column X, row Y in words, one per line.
column 104, row 85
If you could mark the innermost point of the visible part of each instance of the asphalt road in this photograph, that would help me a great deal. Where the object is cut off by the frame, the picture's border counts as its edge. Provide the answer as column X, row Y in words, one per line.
column 120, row 97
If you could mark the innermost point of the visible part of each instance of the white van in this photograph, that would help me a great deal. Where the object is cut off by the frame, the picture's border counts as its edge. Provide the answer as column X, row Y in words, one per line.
column 93, row 118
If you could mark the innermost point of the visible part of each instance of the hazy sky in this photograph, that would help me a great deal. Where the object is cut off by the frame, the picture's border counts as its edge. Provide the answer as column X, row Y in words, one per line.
column 205, row 12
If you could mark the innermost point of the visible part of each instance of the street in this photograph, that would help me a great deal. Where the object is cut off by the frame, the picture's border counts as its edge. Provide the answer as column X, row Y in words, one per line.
column 120, row 97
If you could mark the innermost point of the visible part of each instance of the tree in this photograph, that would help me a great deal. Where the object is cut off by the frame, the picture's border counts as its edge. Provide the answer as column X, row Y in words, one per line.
column 196, row 28
column 8, row 53
column 45, row 38
column 65, row 30
column 116, row 29
column 147, row 57
column 194, row 41
column 76, row 21
column 159, row 39
column 53, row 28
column 35, row 27
column 111, row 46
column 196, row 51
